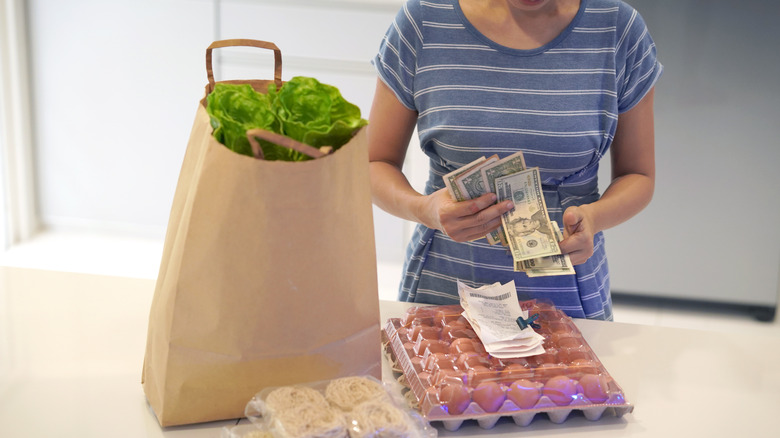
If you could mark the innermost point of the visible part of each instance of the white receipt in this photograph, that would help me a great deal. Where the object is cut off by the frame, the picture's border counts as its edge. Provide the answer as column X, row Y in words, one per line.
column 492, row 311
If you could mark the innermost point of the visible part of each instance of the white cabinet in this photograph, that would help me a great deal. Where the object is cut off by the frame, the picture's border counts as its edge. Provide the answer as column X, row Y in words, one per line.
column 711, row 232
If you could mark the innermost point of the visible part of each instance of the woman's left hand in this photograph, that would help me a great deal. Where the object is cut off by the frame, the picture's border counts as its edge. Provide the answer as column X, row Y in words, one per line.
column 578, row 232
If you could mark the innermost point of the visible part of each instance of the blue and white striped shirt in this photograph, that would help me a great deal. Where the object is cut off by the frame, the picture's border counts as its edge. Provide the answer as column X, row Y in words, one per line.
column 558, row 103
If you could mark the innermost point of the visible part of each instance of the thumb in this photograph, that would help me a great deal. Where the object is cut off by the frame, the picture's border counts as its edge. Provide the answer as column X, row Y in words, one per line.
column 572, row 219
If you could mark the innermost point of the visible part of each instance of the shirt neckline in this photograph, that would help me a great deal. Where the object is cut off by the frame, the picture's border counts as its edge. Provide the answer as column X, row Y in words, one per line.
column 521, row 52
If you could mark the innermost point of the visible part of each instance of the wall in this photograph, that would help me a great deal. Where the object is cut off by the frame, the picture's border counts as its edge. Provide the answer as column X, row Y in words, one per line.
column 115, row 87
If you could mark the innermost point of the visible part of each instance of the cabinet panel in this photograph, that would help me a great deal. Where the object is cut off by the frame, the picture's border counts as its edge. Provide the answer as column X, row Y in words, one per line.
column 709, row 233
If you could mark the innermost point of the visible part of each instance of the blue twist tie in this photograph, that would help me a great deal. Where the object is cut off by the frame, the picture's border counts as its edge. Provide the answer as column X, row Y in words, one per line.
column 525, row 323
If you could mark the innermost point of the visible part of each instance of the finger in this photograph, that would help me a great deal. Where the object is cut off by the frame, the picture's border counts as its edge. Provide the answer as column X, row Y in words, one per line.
column 572, row 219
column 578, row 249
column 477, row 226
column 473, row 219
column 488, row 219
column 573, row 243
column 476, row 205
column 481, row 230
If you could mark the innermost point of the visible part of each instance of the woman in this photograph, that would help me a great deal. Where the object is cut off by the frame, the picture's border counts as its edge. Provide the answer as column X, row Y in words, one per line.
column 562, row 81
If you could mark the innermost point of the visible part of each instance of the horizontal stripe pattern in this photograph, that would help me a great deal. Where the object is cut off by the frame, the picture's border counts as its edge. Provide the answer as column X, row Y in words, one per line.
column 559, row 104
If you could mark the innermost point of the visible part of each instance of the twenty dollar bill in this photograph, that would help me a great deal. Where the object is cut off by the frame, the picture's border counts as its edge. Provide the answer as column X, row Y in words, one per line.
column 550, row 265
column 527, row 226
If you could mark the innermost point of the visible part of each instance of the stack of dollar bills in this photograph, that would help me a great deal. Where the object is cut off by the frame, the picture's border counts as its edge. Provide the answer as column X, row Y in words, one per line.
column 527, row 231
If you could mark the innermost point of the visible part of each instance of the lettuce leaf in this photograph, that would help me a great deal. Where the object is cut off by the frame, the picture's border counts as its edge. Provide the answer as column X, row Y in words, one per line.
column 236, row 108
column 303, row 109
column 315, row 113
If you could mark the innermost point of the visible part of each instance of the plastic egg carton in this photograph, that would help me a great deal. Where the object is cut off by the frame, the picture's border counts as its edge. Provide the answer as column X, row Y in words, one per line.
column 453, row 379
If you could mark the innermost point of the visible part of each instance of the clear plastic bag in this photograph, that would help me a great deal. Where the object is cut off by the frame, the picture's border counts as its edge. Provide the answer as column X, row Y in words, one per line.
column 353, row 407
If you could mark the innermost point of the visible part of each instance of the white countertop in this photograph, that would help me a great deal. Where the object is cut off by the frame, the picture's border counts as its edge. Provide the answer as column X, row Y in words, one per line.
column 72, row 345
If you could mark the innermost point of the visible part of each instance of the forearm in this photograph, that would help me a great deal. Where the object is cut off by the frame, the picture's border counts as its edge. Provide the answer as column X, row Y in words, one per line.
column 633, row 168
column 625, row 197
column 392, row 192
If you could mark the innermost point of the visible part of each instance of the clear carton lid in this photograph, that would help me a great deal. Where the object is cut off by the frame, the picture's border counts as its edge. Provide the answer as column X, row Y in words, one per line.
column 453, row 378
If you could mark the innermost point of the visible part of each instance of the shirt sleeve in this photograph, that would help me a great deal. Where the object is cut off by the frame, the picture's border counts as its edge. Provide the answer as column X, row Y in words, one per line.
column 638, row 66
column 396, row 60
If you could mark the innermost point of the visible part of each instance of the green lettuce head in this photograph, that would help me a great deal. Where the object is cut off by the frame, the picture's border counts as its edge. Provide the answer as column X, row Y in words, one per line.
column 302, row 109
column 236, row 108
column 315, row 113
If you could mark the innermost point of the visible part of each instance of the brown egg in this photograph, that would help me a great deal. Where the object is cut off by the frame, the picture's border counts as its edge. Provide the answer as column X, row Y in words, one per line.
column 489, row 396
column 419, row 315
column 408, row 318
column 545, row 305
column 437, row 347
column 414, row 332
column 425, row 332
column 560, row 389
column 479, row 347
column 524, row 393
column 430, row 361
column 515, row 360
column 494, row 362
column 530, row 306
column 549, row 370
column 549, row 315
column 461, row 345
column 409, row 348
column 451, row 330
column 595, row 387
column 566, row 340
column 457, row 330
column 403, row 334
column 462, row 319
column 417, row 363
column 446, row 364
column 480, row 373
column 515, row 371
column 585, row 366
column 471, row 359
column 550, row 355
column 420, row 346
column 558, row 327
column 446, row 375
column 454, row 397
column 571, row 355
column 446, row 315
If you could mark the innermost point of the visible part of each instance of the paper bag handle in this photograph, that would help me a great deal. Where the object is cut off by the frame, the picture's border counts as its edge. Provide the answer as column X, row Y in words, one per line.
column 282, row 140
column 245, row 43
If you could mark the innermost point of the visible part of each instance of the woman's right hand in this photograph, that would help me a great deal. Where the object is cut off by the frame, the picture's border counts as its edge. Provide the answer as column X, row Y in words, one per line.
column 466, row 220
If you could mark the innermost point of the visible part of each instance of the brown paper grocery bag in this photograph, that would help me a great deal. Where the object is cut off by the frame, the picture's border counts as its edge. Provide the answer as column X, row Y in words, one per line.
column 268, row 275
